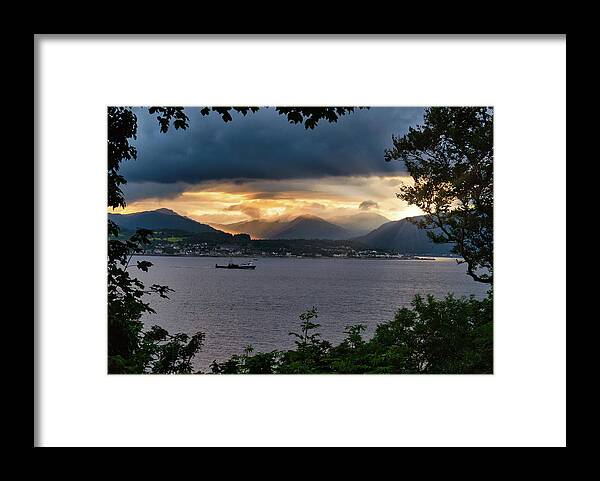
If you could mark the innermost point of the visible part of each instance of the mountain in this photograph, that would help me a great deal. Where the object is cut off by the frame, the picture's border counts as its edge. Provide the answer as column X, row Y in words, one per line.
column 159, row 219
column 302, row 227
column 360, row 224
column 258, row 229
column 404, row 237
column 311, row 227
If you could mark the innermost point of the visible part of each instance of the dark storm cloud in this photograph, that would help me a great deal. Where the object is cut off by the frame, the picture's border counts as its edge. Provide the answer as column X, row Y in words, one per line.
column 261, row 146
column 368, row 204
column 143, row 190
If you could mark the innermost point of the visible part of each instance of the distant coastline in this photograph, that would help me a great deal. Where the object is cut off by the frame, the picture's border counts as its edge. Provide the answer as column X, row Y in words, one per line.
column 377, row 256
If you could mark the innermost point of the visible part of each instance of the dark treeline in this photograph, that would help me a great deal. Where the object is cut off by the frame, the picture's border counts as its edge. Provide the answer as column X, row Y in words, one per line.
column 172, row 241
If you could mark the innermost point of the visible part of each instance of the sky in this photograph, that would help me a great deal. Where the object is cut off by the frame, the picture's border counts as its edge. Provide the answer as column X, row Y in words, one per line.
column 261, row 167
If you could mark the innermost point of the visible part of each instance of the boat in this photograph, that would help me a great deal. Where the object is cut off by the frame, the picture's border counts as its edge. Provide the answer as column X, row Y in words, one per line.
column 231, row 265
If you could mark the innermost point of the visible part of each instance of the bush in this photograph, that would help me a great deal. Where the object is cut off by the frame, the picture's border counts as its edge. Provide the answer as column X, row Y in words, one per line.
column 433, row 336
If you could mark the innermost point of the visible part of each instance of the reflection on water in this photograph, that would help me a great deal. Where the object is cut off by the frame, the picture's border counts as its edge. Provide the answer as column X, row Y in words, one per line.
column 260, row 307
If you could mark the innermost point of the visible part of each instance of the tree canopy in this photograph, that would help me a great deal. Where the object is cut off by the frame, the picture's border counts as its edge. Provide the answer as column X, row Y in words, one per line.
column 450, row 158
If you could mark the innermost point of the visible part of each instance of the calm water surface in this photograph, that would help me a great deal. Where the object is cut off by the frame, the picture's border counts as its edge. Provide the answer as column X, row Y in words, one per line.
column 260, row 307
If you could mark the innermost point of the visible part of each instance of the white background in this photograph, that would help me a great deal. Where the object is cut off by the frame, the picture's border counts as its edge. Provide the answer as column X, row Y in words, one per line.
column 522, row 404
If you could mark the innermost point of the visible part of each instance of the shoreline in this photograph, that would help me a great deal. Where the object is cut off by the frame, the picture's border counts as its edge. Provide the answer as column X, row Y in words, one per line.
column 392, row 257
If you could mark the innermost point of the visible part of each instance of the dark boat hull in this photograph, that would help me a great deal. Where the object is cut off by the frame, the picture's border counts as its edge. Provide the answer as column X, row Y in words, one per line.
column 217, row 266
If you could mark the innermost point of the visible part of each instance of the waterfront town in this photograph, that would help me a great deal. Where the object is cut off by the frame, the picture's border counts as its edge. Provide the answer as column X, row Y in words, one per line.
column 271, row 248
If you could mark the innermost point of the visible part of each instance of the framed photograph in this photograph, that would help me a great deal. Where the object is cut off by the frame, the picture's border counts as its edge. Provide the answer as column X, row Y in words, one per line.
column 243, row 247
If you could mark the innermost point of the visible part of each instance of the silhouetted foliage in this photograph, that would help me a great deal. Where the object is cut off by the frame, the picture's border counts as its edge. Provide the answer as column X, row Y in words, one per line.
column 130, row 348
column 311, row 116
column 450, row 158
column 434, row 336
column 166, row 115
column 310, row 353
column 246, row 363
column 122, row 126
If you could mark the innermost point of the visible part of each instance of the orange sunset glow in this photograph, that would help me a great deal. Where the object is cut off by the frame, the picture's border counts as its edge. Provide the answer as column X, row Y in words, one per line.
column 228, row 202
